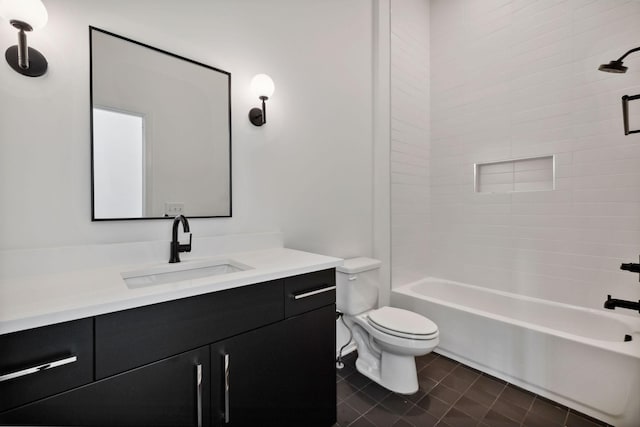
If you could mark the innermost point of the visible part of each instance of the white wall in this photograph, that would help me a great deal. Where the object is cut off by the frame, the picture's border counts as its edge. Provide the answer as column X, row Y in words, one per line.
column 307, row 172
column 515, row 79
column 410, row 128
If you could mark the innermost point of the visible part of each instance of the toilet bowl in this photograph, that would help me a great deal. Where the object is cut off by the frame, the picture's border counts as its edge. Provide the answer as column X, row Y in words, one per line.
column 387, row 338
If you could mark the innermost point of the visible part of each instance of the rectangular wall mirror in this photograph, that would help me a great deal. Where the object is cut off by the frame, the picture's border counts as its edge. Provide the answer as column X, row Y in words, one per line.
column 160, row 130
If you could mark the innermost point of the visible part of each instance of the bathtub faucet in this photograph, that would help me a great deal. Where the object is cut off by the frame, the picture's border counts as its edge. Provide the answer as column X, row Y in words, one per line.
column 632, row 267
column 612, row 303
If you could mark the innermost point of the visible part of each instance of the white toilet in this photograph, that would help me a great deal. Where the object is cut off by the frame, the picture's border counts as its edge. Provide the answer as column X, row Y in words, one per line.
column 387, row 338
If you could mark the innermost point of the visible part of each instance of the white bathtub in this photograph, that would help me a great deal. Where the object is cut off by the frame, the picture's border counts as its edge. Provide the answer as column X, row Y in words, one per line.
column 575, row 356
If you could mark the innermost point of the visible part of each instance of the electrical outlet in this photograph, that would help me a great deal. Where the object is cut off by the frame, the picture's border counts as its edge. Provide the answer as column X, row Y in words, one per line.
column 173, row 208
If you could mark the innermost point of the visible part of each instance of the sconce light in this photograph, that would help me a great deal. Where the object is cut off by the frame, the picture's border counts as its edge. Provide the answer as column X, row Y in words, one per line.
column 25, row 15
column 262, row 86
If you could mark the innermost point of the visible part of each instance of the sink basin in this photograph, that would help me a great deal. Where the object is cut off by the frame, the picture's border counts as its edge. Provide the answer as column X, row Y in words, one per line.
column 186, row 270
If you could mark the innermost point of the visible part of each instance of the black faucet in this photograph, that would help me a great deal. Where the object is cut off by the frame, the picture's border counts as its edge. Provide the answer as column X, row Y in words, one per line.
column 612, row 303
column 632, row 267
column 176, row 247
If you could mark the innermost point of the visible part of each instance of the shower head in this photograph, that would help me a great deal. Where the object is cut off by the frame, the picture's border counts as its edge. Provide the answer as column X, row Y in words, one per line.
column 616, row 66
column 613, row 67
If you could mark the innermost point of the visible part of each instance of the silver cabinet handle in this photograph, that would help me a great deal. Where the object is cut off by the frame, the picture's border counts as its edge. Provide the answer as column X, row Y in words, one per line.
column 33, row 370
column 199, row 393
column 311, row 293
column 226, row 387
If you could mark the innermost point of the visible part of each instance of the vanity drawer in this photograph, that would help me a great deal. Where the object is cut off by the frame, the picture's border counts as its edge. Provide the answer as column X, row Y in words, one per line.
column 309, row 291
column 43, row 361
column 131, row 338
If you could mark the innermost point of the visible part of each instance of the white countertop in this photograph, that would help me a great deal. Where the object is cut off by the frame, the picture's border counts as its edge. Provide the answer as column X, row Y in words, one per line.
column 35, row 300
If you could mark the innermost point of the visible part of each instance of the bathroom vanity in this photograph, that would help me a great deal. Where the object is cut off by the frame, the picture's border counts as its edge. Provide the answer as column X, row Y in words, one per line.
column 257, row 354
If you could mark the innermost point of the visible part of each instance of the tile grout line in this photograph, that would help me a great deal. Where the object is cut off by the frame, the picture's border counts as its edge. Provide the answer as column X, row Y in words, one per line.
column 566, row 417
column 495, row 399
column 461, row 394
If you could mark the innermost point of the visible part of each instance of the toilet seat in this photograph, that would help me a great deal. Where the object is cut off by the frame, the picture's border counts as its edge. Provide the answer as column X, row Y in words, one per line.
column 402, row 323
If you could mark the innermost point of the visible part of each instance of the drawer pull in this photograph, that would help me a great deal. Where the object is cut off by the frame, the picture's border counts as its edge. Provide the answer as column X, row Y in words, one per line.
column 312, row 293
column 199, row 393
column 35, row 369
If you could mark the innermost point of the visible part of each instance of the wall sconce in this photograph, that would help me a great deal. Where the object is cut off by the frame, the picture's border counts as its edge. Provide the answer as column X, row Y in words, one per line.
column 25, row 15
column 263, row 87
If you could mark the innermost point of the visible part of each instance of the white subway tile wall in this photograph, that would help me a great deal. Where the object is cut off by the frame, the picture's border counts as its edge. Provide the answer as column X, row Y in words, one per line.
column 512, row 79
column 410, row 130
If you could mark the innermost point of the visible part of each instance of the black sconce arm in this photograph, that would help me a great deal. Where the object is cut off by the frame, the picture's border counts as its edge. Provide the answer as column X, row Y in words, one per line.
column 22, row 58
column 258, row 116
column 23, row 47
column 264, row 109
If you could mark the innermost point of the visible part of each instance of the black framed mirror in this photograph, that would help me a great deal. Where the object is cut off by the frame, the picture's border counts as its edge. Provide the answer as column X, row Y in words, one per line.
column 160, row 133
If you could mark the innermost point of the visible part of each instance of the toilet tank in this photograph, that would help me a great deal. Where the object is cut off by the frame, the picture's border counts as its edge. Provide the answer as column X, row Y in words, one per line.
column 357, row 284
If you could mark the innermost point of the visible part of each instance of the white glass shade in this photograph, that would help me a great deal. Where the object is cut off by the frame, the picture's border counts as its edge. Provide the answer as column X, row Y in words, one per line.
column 32, row 12
column 262, row 85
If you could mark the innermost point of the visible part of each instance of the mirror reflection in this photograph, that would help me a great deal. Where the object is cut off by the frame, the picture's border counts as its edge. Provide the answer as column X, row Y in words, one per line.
column 160, row 132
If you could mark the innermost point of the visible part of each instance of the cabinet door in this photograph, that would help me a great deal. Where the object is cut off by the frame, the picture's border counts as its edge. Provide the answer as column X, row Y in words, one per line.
column 279, row 375
column 171, row 392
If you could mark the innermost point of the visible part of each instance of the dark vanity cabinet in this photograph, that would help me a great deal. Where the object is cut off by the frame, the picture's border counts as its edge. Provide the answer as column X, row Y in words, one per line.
column 258, row 355
column 279, row 375
column 164, row 393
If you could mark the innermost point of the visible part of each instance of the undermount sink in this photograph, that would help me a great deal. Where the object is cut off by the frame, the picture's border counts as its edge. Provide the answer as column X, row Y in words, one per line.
column 186, row 270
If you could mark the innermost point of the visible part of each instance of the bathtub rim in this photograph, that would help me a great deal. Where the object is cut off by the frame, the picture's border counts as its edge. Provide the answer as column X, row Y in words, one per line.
column 630, row 348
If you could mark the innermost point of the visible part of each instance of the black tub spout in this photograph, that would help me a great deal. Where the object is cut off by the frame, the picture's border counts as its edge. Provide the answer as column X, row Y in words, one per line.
column 612, row 303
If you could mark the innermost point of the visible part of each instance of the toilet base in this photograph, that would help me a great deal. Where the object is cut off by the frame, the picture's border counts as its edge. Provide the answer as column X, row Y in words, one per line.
column 394, row 372
column 385, row 359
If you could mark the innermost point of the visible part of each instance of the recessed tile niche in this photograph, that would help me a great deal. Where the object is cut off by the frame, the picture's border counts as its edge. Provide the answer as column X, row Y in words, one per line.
column 506, row 176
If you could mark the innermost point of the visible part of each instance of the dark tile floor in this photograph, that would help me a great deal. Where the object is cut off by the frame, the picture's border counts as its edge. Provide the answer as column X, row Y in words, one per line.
column 450, row 395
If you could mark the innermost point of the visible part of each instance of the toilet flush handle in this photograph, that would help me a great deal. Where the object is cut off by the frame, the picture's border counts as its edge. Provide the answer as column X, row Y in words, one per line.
column 353, row 277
